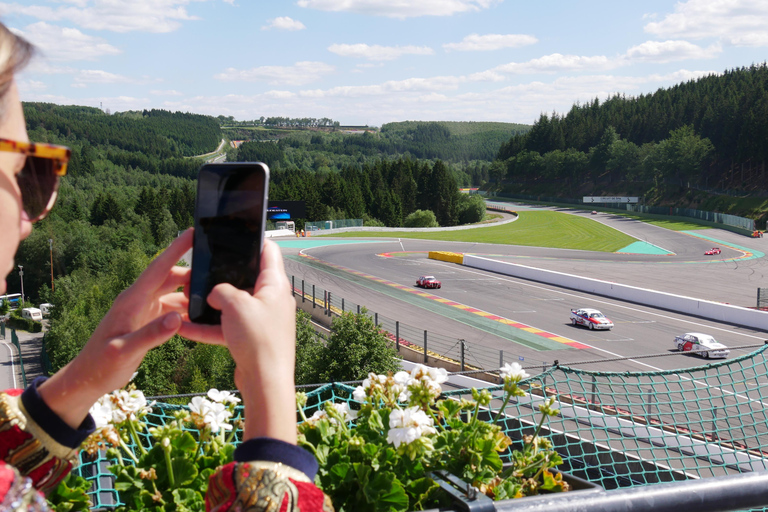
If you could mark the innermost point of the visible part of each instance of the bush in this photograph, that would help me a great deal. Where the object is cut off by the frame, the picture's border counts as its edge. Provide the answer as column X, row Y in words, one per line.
column 471, row 209
column 355, row 348
column 421, row 219
column 24, row 324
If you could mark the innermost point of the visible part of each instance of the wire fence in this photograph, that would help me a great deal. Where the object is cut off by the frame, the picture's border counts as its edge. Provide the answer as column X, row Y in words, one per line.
column 468, row 354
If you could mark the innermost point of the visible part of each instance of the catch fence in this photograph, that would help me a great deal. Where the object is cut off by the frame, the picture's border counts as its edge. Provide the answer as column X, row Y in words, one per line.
column 333, row 224
column 617, row 429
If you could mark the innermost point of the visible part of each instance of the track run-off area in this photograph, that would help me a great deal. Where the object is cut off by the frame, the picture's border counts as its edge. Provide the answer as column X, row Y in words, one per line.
column 531, row 320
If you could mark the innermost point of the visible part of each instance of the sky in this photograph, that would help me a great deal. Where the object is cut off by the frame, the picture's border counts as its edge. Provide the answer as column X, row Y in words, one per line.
column 370, row 62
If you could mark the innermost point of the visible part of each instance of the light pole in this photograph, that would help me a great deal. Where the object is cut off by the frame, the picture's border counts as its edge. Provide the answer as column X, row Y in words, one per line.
column 50, row 243
column 21, row 276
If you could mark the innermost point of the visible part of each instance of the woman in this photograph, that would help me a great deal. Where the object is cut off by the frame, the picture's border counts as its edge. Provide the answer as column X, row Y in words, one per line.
column 42, row 427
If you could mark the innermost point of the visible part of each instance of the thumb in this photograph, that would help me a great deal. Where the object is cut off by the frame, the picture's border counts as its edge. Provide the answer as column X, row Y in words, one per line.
column 153, row 334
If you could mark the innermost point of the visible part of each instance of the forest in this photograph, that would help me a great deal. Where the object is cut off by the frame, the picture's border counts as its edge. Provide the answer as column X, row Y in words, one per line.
column 689, row 141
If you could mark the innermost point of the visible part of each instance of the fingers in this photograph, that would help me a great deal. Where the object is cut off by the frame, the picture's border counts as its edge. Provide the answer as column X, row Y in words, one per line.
column 272, row 269
column 153, row 334
column 177, row 277
column 209, row 334
column 155, row 274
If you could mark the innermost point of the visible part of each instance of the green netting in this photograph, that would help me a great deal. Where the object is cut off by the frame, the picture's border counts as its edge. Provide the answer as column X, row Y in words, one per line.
column 617, row 429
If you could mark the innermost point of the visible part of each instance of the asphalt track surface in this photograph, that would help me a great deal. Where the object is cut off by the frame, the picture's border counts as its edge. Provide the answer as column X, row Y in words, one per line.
column 381, row 274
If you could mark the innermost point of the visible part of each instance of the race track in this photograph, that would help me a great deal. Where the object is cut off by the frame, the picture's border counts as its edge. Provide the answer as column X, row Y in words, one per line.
column 381, row 274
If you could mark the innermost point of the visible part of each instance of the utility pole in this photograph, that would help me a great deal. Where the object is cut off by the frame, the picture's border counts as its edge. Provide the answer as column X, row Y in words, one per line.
column 21, row 276
column 50, row 243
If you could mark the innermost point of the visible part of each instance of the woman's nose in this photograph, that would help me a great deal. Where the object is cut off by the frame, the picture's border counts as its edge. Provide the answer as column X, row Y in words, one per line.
column 25, row 227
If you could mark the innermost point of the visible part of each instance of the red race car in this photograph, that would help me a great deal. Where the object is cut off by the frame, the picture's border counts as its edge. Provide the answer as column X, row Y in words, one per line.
column 712, row 251
column 428, row 282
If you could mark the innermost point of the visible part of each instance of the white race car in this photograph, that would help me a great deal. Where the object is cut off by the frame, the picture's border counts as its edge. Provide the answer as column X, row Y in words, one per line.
column 703, row 344
column 591, row 318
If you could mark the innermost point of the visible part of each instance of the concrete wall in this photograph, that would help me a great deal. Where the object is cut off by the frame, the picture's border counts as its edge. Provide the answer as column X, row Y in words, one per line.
column 702, row 308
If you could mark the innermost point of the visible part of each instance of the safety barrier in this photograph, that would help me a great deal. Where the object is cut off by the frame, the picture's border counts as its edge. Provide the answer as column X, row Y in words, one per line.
column 726, row 313
column 450, row 257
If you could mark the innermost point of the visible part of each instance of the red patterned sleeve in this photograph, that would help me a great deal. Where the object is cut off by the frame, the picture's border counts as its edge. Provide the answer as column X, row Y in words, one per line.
column 267, row 475
column 34, row 442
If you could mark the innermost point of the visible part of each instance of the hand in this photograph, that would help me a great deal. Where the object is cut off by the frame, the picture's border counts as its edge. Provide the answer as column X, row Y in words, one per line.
column 142, row 317
column 260, row 331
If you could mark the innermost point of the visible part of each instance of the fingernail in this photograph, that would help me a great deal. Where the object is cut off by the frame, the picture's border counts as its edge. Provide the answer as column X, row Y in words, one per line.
column 171, row 321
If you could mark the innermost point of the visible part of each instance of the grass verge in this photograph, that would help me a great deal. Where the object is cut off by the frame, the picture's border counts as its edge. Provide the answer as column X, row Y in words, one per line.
column 535, row 229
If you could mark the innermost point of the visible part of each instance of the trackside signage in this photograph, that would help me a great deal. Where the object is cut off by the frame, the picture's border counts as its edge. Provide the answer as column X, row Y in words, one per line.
column 609, row 199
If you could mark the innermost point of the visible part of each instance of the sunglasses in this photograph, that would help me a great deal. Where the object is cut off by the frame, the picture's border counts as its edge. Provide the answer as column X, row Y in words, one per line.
column 39, row 179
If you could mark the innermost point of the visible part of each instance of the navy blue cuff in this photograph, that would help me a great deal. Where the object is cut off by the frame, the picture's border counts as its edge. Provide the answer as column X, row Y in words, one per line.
column 50, row 422
column 273, row 450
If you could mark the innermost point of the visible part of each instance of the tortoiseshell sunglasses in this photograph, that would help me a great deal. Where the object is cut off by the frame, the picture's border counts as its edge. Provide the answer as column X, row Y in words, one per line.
column 39, row 179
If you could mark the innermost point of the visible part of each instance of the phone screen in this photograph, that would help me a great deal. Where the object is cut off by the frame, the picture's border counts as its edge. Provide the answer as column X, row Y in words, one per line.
column 229, row 232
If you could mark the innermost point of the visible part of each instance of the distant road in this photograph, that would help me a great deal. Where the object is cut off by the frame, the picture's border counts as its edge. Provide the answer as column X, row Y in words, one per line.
column 7, row 364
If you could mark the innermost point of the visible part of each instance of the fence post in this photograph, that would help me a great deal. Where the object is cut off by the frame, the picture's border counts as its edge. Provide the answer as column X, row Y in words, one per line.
column 293, row 286
column 330, row 303
column 302, row 291
column 501, row 358
column 325, row 302
column 342, row 304
column 313, row 296
column 462, row 354
column 397, row 335
column 595, row 399
column 425, row 345
column 714, row 425
column 376, row 319
column 358, row 309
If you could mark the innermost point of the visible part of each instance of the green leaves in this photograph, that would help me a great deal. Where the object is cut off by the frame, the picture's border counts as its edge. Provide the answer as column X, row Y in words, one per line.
column 70, row 495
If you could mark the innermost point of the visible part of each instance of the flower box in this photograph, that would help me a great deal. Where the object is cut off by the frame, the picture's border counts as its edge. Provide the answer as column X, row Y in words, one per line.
column 466, row 498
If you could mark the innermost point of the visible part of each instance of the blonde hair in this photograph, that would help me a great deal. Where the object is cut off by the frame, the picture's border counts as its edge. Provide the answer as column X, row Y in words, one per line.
column 15, row 53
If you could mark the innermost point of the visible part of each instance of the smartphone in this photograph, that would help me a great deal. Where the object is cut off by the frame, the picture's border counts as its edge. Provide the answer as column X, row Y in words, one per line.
column 230, row 215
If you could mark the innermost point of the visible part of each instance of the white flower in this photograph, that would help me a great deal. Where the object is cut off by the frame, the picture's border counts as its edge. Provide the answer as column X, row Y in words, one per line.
column 345, row 412
column 129, row 404
column 217, row 417
column 402, row 378
column 408, row 425
column 342, row 408
column 222, row 397
column 359, row 394
column 513, row 372
column 438, row 375
column 200, row 405
column 101, row 412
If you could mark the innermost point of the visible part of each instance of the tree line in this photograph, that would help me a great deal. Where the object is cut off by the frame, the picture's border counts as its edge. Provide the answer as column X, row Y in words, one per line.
column 707, row 132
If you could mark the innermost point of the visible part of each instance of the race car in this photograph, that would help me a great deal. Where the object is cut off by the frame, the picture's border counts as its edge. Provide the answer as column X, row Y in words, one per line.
column 594, row 212
column 703, row 344
column 712, row 251
column 591, row 318
column 428, row 282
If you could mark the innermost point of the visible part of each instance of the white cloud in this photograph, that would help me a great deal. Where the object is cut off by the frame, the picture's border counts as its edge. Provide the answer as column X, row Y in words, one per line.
column 377, row 52
column 66, row 44
column 400, row 9
column 170, row 92
column 669, row 51
column 284, row 23
column 113, row 15
column 486, row 76
column 32, row 85
column 736, row 22
column 488, row 42
column 97, row 76
column 557, row 62
column 300, row 73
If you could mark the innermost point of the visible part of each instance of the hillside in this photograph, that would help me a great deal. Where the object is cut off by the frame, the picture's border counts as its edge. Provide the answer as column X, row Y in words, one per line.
column 681, row 145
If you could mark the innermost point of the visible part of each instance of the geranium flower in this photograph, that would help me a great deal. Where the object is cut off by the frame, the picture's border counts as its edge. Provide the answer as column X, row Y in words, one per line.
column 513, row 372
column 408, row 425
column 222, row 397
